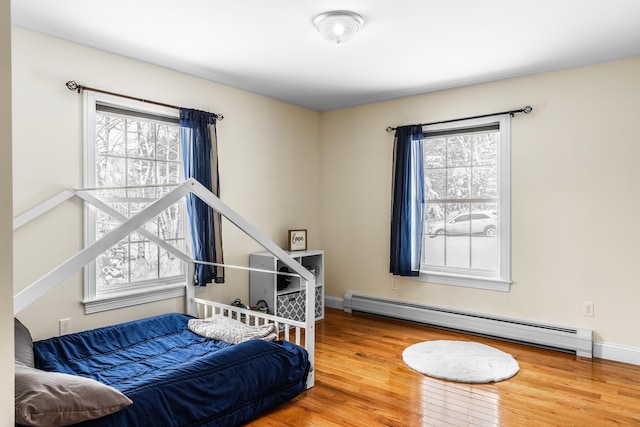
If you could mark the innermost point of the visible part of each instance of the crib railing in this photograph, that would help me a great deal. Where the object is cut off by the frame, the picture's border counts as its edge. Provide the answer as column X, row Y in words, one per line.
column 208, row 308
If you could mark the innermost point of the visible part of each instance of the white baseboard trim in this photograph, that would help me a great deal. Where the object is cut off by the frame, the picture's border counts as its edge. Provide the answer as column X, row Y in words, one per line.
column 601, row 350
column 334, row 302
column 617, row 353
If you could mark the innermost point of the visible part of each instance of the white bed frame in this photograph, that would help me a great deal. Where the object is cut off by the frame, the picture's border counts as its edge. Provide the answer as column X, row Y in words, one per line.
column 194, row 306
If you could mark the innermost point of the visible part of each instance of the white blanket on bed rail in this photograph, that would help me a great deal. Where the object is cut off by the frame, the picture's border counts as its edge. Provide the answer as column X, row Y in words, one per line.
column 232, row 331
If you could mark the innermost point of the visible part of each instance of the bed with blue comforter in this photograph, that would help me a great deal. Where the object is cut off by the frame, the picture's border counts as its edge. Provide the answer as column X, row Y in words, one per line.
column 175, row 377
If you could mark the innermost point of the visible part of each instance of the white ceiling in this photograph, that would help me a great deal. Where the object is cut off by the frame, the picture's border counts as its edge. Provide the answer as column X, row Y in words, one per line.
column 406, row 47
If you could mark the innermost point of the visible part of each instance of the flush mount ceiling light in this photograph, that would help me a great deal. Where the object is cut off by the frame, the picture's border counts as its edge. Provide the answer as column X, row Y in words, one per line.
column 338, row 26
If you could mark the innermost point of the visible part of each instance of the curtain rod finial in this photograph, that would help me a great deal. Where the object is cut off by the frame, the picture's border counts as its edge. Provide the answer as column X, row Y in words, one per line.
column 527, row 109
column 390, row 129
column 71, row 85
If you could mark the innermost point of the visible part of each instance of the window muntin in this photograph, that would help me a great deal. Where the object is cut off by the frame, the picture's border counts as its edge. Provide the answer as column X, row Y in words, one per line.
column 132, row 144
column 467, row 213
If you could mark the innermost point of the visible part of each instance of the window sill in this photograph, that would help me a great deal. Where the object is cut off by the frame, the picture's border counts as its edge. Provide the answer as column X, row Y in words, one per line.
column 487, row 283
column 128, row 299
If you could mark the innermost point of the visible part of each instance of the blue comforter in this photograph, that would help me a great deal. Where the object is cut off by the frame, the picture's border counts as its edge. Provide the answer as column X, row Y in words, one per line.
column 175, row 377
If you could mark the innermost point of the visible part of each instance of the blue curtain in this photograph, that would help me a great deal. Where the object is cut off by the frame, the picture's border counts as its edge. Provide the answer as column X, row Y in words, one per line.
column 407, row 216
column 200, row 161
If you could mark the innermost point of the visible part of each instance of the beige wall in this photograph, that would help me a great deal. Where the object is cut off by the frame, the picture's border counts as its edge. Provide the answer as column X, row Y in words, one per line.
column 6, row 222
column 268, row 166
column 575, row 195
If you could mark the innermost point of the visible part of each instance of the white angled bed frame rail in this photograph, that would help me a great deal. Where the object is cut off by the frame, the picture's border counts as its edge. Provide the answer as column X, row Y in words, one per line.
column 195, row 306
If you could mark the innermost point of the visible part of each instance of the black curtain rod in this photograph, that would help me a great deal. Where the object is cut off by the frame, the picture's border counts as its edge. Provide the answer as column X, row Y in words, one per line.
column 71, row 85
column 527, row 109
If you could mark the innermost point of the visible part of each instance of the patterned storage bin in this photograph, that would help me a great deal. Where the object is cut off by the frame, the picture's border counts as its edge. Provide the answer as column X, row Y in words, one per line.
column 291, row 305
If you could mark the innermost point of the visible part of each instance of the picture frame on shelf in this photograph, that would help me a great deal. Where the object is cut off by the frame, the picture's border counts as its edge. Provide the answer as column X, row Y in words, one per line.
column 298, row 240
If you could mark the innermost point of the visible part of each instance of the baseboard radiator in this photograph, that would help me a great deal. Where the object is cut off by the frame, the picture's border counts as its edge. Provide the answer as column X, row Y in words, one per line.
column 572, row 340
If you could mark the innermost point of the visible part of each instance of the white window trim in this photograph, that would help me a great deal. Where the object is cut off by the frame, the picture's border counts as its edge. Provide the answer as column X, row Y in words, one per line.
column 159, row 290
column 503, row 281
column 128, row 299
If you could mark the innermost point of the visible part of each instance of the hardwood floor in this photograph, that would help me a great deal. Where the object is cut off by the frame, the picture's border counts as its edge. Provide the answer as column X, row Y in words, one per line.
column 361, row 380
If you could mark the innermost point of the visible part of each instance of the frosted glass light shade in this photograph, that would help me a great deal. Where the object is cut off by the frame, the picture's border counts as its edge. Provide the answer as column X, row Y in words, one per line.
column 338, row 26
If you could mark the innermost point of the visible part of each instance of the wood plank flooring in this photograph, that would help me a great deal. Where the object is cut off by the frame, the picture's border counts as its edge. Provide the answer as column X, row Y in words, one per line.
column 361, row 380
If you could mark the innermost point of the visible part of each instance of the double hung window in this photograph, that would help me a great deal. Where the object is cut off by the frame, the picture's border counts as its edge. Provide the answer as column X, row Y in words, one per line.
column 467, row 238
column 134, row 145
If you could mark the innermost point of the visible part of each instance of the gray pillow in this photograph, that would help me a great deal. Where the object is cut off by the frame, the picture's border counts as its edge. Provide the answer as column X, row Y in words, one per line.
column 23, row 344
column 55, row 399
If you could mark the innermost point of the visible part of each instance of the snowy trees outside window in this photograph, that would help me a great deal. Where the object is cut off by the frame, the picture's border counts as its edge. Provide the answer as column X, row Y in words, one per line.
column 467, row 200
column 132, row 158
column 131, row 151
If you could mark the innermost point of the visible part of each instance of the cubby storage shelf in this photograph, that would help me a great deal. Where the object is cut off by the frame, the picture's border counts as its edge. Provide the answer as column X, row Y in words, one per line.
column 286, row 300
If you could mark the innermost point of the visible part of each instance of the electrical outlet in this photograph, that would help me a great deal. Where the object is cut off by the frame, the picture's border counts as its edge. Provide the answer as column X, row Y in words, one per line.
column 394, row 284
column 587, row 308
column 65, row 326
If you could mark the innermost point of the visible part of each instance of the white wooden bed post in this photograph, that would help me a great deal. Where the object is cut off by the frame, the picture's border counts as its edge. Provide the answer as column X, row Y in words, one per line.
column 310, row 328
column 190, row 291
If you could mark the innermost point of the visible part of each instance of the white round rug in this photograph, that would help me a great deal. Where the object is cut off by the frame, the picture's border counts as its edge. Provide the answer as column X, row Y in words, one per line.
column 461, row 361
